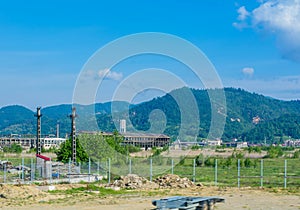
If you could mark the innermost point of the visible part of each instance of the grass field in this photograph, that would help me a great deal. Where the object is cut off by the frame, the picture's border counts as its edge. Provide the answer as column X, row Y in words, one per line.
column 270, row 174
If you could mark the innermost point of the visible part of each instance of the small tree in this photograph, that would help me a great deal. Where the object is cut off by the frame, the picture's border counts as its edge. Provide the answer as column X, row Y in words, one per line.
column 64, row 153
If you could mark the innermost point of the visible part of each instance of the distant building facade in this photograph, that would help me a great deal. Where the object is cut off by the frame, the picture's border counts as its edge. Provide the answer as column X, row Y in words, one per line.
column 292, row 143
column 143, row 140
column 146, row 140
column 47, row 142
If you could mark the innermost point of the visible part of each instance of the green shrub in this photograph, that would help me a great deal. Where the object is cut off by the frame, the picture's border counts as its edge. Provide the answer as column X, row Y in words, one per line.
column 13, row 148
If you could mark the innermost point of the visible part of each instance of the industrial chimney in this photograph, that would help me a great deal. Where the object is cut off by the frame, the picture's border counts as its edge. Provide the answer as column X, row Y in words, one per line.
column 123, row 126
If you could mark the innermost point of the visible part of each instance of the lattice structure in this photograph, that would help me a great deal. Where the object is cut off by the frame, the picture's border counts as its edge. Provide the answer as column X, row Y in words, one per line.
column 38, row 115
column 73, row 134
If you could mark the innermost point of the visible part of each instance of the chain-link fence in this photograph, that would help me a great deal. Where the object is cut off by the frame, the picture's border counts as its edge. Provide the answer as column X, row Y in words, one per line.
column 222, row 172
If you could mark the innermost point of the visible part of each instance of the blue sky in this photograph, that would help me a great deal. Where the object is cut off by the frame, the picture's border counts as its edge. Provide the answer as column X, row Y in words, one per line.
column 253, row 44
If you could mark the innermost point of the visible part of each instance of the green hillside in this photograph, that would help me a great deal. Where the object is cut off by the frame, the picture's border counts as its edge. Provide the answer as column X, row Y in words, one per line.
column 16, row 119
column 250, row 117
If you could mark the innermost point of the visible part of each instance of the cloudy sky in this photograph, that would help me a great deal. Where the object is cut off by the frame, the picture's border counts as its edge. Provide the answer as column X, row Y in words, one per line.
column 253, row 44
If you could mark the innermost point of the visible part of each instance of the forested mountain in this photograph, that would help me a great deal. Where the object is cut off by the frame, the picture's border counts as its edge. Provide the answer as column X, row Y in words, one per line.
column 16, row 119
column 251, row 117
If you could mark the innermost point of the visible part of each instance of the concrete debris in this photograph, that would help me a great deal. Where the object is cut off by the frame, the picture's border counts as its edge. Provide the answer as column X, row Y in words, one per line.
column 173, row 181
column 25, row 168
column 133, row 181
column 5, row 163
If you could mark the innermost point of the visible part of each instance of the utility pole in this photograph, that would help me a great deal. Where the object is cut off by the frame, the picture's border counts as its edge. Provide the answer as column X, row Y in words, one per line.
column 38, row 115
column 73, row 134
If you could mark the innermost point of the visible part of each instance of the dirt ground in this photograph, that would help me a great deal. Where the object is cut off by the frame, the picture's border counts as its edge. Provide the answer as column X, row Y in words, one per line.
column 30, row 197
column 207, row 152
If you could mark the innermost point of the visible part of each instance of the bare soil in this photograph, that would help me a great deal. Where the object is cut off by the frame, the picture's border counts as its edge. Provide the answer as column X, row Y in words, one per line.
column 207, row 152
column 30, row 197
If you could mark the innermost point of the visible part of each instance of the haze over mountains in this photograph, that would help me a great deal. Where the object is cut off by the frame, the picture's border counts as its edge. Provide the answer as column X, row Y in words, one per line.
column 250, row 117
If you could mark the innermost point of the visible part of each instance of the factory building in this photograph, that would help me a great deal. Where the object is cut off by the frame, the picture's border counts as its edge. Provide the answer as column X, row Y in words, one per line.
column 146, row 140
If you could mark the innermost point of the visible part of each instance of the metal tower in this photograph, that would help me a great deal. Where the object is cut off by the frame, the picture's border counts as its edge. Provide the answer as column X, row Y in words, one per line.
column 73, row 134
column 38, row 115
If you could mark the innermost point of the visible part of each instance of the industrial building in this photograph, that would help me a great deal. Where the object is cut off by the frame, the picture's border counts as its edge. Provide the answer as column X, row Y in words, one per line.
column 47, row 142
column 146, row 140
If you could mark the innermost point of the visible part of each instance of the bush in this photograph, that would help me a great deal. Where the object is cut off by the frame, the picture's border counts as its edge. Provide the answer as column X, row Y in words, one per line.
column 132, row 148
column 195, row 147
column 274, row 152
column 228, row 162
column 210, row 162
column 13, row 148
column 247, row 163
column 296, row 154
column 237, row 155
column 200, row 160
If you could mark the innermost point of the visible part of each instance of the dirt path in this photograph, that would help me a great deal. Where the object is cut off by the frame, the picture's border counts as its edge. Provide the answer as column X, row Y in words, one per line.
column 28, row 198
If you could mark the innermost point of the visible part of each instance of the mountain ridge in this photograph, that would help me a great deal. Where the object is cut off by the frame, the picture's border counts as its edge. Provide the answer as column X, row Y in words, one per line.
column 243, row 108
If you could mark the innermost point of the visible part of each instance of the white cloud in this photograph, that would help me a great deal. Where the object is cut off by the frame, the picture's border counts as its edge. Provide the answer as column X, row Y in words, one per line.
column 108, row 74
column 248, row 71
column 278, row 17
column 243, row 13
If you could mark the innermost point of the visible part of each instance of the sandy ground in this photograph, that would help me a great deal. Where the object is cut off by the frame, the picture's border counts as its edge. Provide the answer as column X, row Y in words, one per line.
column 207, row 152
column 29, row 197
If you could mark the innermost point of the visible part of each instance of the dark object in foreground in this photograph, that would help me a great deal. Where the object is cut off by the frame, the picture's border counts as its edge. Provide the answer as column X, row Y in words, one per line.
column 184, row 202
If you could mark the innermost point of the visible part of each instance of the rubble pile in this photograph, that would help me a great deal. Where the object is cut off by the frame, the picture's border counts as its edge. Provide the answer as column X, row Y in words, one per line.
column 133, row 181
column 173, row 181
column 19, row 192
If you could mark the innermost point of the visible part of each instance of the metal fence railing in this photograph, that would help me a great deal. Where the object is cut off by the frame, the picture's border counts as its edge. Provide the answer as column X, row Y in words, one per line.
column 283, row 173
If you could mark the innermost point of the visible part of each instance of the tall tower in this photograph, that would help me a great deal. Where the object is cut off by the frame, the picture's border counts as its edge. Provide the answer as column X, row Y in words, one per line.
column 38, row 115
column 73, row 134
column 122, row 126
column 57, row 130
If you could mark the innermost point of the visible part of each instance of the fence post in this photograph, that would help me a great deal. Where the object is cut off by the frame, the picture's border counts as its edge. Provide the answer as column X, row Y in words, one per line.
column 50, row 171
column 150, row 169
column 172, row 166
column 194, row 170
column 31, row 170
column 69, row 170
column 261, row 173
column 98, row 168
column 239, row 173
column 58, row 172
column 130, row 166
column 20, row 174
column 89, row 178
column 285, row 173
column 108, row 170
column 4, row 175
column 23, row 170
column 216, row 172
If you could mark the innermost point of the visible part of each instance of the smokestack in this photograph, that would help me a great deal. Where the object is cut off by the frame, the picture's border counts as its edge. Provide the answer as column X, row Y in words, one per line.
column 122, row 126
column 57, row 130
